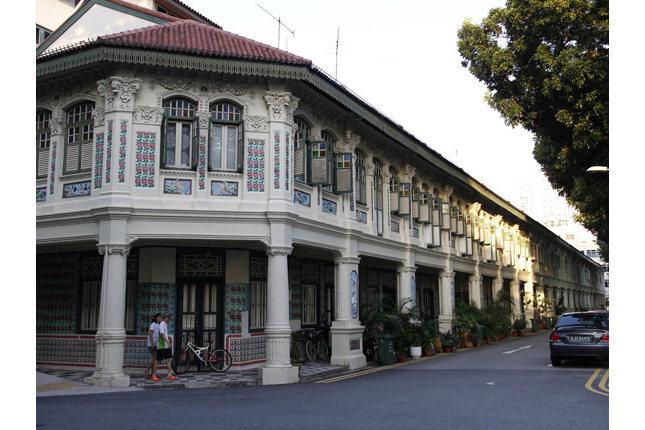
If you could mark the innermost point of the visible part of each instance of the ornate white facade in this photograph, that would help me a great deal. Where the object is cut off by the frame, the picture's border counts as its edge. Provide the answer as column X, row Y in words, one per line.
column 317, row 204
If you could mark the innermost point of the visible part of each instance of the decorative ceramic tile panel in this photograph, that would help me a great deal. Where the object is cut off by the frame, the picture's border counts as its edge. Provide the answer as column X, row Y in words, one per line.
column 123, row 144
column 66, row 350
column 224, row 188
column 247, row 350
column 153, row 298
column 77, row 189
column 98, row 160
column 329, row 206
column 56, row 293
column 144, row 170
column 302, row 198
column 255, row 165
column 201, row 163
column 361, row 217
column 237, row 301
column 52, row 175
column 276, row 160
column 108, row 153
column 41, row 194
column 286, row 174
column 177, row 186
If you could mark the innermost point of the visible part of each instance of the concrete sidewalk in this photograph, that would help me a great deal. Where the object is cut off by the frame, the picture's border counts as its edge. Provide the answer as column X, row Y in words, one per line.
column 61, row 382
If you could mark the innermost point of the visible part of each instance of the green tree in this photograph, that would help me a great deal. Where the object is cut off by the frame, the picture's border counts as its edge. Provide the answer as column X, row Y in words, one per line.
column 545, row 64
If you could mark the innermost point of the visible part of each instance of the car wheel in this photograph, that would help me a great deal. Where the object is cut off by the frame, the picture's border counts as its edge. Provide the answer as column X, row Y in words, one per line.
column 556, row 361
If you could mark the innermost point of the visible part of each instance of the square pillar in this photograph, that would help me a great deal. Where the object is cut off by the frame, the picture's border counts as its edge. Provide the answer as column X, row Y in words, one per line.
column 346, row 329
column 447, row 300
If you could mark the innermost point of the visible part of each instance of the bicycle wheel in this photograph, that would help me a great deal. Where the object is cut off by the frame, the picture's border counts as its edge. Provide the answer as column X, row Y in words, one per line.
column 219, row 360
column 321, row 349
column 181, row 361
column 298, row 351
column 311, row 350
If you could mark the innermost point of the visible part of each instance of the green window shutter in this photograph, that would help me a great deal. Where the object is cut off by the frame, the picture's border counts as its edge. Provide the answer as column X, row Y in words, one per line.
column 415, row 203
column 164, row 131
column 194, row 149
column 343, row 173
column 240, row 147
column 394, row 195
column 299, row 160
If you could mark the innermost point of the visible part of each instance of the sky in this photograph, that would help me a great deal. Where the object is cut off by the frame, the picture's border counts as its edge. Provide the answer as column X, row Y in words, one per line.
column 400, row 57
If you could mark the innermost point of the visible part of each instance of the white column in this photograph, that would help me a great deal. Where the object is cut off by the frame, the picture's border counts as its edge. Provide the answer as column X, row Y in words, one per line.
column 278, row 369
column 407, row 285
column 475, row 287
column 447, row 300
column 110, row 336
column 346, row 329
column 515, row 299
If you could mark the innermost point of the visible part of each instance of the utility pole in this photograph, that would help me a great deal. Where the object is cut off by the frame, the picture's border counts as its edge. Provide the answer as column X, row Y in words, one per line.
column 280, row 25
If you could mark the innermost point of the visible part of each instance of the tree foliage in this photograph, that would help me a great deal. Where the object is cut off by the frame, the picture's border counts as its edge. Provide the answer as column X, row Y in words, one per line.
column 545, row 64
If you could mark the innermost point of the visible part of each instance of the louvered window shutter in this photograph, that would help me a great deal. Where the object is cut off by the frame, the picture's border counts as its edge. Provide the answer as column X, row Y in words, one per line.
column 240, row 147
column 318, row 153
column 445, row 215
column 405, row 199
column 424, row 208
column 343, row 173
column 415, row 204
column 194, row 148
column 394, row 195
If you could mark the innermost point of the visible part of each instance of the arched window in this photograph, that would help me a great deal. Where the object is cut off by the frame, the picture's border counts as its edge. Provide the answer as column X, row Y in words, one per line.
column 43, row 136
column 180, row 130
column 226, row 137
column 80, row 133
column 360, row 178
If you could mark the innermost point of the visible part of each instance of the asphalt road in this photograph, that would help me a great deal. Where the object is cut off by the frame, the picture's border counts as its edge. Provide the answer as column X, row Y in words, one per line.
column 510, row 385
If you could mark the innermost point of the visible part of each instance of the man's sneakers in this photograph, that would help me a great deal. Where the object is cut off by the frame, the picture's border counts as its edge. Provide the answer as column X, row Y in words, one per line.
column 170, row 378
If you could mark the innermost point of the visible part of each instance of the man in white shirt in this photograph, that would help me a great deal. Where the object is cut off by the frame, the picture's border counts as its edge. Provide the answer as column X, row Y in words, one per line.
column 153, row 335
column 164, row 349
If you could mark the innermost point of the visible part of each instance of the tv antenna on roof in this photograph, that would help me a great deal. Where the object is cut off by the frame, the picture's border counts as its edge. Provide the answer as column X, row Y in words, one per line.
column 280, row 24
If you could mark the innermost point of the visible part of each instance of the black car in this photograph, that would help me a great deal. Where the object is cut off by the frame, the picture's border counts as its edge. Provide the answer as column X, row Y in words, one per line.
column 580, row 334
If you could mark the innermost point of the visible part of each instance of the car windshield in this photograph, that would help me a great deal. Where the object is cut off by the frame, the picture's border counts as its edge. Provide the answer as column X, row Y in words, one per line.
column 585, row 320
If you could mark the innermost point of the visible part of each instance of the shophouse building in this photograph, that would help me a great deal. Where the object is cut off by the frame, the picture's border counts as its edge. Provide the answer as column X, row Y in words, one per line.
column 186, row 169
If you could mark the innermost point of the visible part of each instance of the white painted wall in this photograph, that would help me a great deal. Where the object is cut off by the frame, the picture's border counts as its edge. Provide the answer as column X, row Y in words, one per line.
column 98, row 21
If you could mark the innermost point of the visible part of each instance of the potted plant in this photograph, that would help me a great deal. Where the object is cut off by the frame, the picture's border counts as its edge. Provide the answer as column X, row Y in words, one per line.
column 416, row 338
column 449, row 343
column 519, row 325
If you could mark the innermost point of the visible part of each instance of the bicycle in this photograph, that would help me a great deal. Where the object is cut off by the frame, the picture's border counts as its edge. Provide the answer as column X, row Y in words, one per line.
column 219, row 359
column 308, row 344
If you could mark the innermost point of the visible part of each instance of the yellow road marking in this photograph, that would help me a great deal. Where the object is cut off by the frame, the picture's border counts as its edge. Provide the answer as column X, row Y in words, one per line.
column 55, row 386
column 602, row 384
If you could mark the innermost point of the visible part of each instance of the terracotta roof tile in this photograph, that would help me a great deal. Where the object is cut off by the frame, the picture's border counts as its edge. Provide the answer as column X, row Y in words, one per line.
column 194, row 37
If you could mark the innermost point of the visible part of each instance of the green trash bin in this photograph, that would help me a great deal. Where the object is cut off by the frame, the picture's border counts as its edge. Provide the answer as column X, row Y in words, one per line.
column 385, row 349
column 548, row 323
column 535, row 325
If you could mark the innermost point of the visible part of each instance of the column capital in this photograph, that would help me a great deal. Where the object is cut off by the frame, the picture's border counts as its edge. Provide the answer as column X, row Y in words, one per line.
column 281, row 105
column 114, row 249
column 273, row 251
column 119, row 92
column 347, row 260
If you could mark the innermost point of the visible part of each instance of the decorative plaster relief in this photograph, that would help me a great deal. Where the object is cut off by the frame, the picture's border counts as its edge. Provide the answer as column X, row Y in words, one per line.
column 148, row 115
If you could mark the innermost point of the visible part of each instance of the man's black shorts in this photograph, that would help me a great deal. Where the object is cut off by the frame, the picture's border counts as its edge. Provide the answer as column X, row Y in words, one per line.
column 163, row 354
